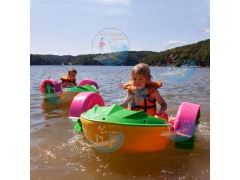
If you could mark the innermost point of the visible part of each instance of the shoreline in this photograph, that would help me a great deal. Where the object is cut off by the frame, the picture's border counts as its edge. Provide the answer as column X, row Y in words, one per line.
column 105, row 65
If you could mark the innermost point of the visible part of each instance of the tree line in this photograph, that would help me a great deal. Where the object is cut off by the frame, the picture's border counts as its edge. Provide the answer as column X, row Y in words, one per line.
column 199, row 52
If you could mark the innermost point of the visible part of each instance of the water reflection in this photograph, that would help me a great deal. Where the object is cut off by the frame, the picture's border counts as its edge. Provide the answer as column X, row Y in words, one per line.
column 51, row 110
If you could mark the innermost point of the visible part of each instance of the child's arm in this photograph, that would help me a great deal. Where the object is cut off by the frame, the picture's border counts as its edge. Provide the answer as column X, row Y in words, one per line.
column 156, row 95
column 127, row 100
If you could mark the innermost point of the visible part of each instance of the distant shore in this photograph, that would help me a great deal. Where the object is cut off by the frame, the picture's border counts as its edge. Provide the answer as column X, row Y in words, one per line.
column 105, row 65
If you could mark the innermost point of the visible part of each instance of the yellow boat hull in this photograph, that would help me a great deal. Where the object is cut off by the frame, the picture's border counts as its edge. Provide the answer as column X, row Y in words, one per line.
column 65, row 97
column 106, row 137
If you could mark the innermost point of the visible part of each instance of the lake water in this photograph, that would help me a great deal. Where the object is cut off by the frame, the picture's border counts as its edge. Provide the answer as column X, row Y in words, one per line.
column 57, row 152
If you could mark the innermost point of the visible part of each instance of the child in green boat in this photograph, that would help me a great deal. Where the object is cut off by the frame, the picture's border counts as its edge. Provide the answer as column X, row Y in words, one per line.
column 69, row 80
column 142, row 93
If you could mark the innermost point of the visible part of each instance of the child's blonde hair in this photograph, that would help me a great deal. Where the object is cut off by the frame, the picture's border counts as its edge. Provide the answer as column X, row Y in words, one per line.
column 141, row 69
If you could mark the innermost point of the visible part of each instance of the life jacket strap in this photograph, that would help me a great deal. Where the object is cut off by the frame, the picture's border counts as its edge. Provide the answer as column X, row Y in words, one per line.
column 143, row 107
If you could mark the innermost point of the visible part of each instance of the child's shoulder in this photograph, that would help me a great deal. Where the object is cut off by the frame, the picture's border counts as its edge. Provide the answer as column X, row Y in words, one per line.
column 154, row 84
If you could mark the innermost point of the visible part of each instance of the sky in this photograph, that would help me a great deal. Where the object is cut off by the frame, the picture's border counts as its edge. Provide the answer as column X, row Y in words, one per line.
column 69, row 27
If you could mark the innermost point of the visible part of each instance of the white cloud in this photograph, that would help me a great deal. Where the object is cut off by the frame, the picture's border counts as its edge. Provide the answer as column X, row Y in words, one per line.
column 85, row 52
column 52, row 52
column 179, row 41
column 207, row 2
column 206, row 30
column 95, row 49
column 39, row 52
column 202, row 20
column 137, row 49
column 111, row 7
column 72, row 53
column 116, row 11
column 172, row 41
column 113, row 2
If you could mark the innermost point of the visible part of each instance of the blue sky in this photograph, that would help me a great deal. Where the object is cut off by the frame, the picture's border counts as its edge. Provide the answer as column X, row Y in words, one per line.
column 68, row 27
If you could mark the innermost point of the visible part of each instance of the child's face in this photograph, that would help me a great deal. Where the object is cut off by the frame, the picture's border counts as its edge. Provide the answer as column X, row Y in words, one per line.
column 139, row 81
column 72, row 74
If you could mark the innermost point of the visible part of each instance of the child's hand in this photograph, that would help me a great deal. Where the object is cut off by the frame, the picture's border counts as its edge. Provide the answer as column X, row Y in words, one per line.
column 159, row 114
column 162, row 115
column 107, row 105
